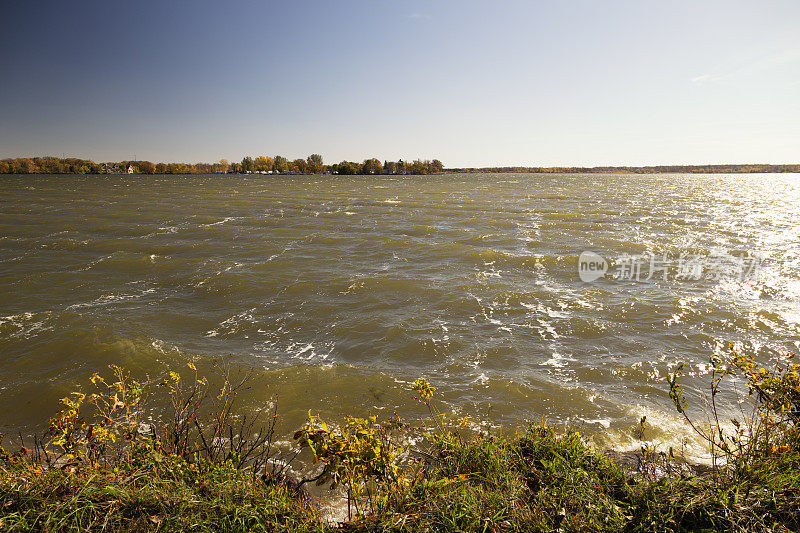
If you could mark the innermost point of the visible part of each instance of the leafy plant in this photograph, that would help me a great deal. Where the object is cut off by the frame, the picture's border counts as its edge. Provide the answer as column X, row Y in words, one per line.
column 770, row 427
column 362, row 455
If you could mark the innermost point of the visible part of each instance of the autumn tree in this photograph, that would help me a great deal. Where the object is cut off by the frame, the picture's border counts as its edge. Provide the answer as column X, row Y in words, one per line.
column 416, row 167
column 263, row 164
column 314, row 164
column 299, row 165
column 371, row 166
column 280, row 164
column 348, row 168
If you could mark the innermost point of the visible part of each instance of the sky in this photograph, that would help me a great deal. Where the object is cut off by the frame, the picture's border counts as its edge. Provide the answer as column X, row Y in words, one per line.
column 472, row 83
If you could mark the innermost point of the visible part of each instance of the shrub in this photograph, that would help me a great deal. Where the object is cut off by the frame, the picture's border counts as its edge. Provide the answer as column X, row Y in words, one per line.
column 770, row 427
column 107, row 464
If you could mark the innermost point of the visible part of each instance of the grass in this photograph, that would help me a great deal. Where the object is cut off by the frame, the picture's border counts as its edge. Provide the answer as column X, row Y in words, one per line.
column 155, row 495
column 542, row 481
column 539, row 481
column 103, row 470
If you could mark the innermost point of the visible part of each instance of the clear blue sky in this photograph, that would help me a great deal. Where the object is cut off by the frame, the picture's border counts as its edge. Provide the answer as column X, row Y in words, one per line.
column 472, row 83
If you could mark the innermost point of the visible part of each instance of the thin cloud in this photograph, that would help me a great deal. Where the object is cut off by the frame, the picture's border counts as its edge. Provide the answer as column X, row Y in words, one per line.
column 703, row 78
column 419, row 16
column 759, row 65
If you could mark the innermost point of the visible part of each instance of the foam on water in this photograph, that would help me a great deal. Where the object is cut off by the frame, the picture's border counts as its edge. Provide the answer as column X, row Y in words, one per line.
column 345, row 289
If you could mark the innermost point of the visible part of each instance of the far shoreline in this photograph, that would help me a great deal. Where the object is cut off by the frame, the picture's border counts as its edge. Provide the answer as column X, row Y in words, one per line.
column 314, row 165
column 630, row 171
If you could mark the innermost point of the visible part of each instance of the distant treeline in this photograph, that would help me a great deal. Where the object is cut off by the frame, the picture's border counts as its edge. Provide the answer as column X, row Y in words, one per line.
column 313, row 164
column 663, row 169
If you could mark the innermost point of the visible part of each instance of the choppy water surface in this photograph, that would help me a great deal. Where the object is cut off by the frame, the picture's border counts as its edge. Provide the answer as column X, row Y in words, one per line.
column 338, row 291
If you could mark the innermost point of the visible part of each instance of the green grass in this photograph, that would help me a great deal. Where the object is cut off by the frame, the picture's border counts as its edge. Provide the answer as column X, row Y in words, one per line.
column 540, row 481
column 194, row 470
column 546, row 482
column 147, row 498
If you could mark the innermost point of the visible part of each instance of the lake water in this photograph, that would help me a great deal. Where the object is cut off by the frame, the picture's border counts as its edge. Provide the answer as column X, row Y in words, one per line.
column 340, row 290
